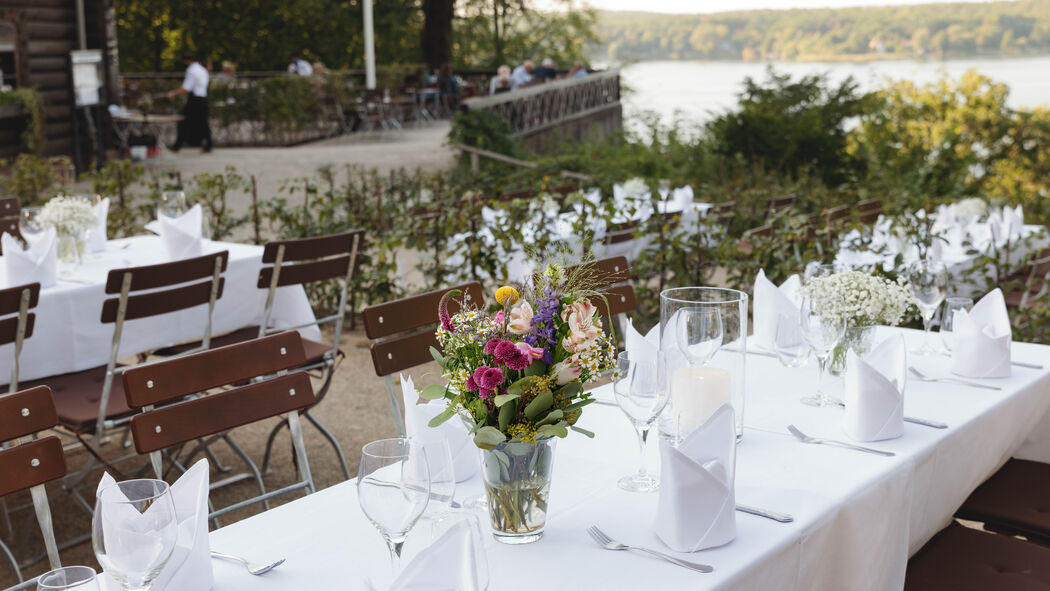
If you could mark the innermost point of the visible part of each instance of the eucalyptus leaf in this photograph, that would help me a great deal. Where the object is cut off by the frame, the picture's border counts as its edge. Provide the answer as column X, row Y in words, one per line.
column 489, row 437
column 507, row 413
column 570, row 390
column 539, row 404
column 443, row 416
column 537, row 368
column 552, row 417
column 433, row 392
column 437, row 356
column 502, row 399
column 578, row 404
column 582, row 430
column 558, row 430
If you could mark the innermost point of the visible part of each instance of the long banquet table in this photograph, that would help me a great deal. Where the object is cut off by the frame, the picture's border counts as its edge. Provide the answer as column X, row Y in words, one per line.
column 69, row 335
column 858, row 517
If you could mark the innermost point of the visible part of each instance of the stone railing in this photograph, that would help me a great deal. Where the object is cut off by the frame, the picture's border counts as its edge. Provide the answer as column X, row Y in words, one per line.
column 545, row 114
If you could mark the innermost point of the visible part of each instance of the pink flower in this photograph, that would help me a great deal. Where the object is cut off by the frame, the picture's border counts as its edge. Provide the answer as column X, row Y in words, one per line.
column 503, row 351
column 519, row 361
column 499, row 318
column 490, row 347
column 529, row 350
column 583, row 326
column 566, row 371
column 488, row 378
column 521, row 319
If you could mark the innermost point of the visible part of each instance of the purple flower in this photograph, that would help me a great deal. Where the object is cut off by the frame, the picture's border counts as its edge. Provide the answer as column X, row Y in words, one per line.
column 519, row 361
column 488, row 378
column 504, row 351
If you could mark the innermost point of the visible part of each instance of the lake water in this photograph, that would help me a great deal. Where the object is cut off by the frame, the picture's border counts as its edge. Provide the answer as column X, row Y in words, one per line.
column 698, row 89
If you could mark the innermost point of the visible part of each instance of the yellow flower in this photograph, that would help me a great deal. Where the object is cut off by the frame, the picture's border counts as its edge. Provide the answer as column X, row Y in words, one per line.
column 506, row 296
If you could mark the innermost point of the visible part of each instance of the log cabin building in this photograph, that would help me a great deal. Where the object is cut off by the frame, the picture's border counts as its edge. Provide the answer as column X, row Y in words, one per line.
column 36, row 37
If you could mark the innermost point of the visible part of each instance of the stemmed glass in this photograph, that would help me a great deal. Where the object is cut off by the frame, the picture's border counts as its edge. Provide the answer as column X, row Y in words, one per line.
column 641, row 393
column 928, row 280
column 29, row 224
column 951, row 306
column 790, row 348
column 172, row 204
column 134, row 531
column 393, row 488
column 822, row 333
column 699, row 333
column 82, row 578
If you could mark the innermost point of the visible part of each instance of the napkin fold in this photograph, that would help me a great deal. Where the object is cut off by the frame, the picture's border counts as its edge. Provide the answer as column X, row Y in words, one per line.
column 772, row 302
column 982, row 339
column 875, row 392
column 449, row 564
column 180, row 235
column 189, row 568
column 96, row 237
column 37, row 263
column 641, row 349
column 696, row 505
column 455, row 432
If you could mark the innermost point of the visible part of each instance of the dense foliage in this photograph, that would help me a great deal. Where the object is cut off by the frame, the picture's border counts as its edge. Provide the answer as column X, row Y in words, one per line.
column 942, row 30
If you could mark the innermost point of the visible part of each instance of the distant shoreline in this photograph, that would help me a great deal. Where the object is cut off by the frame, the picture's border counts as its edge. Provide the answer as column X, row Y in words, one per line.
column 859, row 59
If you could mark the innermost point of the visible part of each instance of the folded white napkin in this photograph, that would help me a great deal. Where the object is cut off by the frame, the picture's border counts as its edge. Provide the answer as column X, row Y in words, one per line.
column 96, row 238
column 772, row 302
column 982, row 339
column 189, row 568
column 696, row 507
column 641, row 348
column 180, row 235
column 39, row 262
column 875, row 392
column 449, row 564
column 417, row 416
column 1013, row 222
column 683, row 196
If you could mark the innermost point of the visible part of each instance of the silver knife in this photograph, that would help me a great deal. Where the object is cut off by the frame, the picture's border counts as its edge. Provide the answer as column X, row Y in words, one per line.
column 907, row 419
column 781, row 517
column 1028, row 365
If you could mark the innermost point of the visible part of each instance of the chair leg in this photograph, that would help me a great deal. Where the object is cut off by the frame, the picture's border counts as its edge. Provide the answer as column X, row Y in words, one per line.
column 269, row 444
column 251, row 466
column 11, row 560
column 331, row 439
column 7, row 517
column 215, row 460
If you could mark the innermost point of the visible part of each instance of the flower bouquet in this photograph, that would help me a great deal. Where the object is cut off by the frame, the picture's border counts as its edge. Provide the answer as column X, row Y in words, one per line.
column 861, row 301
column 71, row 217
column 517, row 377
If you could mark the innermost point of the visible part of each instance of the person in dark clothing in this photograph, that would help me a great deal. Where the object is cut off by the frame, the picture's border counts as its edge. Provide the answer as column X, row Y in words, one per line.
column 546, row 71
column 194, row 128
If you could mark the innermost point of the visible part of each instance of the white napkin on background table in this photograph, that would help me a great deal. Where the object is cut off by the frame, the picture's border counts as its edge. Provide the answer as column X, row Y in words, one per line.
column 696, row 508
column 189, row 568
column 875, row 392
column 38, row 263
column 180, row 235
column 982, row 339
column 772, row 302
column 96, row 238
column 465, row 459
column 449, row 564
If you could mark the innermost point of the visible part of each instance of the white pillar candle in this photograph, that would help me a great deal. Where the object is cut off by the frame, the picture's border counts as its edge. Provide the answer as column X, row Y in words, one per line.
column 696, row 393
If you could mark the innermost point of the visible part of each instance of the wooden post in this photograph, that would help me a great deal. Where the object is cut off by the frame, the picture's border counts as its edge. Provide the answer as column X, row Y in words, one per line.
column 256, row 222
column 475, row 162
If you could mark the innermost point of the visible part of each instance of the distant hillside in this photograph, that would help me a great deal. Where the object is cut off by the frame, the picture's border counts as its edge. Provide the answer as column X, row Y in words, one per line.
column 857, row 33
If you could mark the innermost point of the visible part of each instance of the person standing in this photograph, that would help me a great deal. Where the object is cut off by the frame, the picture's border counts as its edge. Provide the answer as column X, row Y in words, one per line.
column 299, row 67
column 194, row 128
column 522, row 75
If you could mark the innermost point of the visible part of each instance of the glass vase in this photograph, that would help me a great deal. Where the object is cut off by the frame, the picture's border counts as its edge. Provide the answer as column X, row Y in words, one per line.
column 69, row 249
column 859, row 338
column 517, row 487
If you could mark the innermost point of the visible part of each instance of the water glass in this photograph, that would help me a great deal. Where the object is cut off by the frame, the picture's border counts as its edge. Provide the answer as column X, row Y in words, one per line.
column 822, row 333
column 790, row 348
column 134, row 531
column 699, row 332
column 81, row 578
column 393, row 489
column 172, row 204
column 928, row 281
column 951, row 306
column 641, row 392
column 29, row 223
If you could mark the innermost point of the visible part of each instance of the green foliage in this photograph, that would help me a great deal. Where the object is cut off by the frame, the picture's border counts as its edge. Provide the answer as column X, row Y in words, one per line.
column 485, row 130
column 853, row 33
column 34, row 180
column 34, row 136
column 489, row 33
column 117, row 180
column 210, row 190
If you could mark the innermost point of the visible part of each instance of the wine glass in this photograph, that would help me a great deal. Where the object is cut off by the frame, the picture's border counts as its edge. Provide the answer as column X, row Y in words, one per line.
column 790, row 348
column 134, row 531
column 928, row 281
column 822, row 333
column 951, row 306
column 641, row 393
column 29, row 223
column 442, row 476
column 699, row 333
column 82, row 578
column 393, row 488
column 172, row 204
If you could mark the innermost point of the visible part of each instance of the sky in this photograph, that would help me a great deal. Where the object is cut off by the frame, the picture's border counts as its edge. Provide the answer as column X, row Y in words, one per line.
column 695, row 6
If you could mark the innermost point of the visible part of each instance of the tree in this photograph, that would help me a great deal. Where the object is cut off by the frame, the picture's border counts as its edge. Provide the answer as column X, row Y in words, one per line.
column 494, row 32
column 436, row 40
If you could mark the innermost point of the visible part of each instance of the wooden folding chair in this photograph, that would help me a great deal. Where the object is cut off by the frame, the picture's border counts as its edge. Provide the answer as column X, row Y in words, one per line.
column 722, row 213
column 868, row 211
column 837, row 217
column 10, row 214
column 1035, row 287
column 777, row 204
column 17, row 322
column 613, row 281
column 180, row 404
column 746, row 244
column 403, row 333
column 523, row 194
column 30, row 463
column 959, row 557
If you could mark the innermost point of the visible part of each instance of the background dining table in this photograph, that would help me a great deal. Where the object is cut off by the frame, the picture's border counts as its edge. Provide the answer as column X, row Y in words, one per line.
column 857, row 516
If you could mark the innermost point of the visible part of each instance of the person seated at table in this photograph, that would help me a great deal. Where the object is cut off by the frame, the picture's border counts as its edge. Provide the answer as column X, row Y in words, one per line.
column 228, row 73
column 299, row 67
column 546, row 71
column 522, row 75
column 447, row 83
column 501, row 81
column 578, row 70
column 415, row 79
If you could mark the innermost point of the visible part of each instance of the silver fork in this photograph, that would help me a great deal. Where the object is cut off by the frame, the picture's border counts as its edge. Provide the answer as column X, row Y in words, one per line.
column 255, row 569
column 610, row 544
column 807, row 439
column 949, row 380
column 917, row 421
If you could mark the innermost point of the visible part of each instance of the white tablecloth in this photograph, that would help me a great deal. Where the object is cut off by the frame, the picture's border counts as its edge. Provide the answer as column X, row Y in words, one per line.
column 69, row 335
column 857, row 516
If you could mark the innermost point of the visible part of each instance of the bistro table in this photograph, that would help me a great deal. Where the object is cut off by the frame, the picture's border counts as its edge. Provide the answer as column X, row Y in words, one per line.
column 69, row 335
column 858, row 517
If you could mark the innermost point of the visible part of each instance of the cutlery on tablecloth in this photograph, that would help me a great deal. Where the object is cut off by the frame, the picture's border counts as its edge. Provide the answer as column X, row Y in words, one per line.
column 807, row 439
column 433, row 495
column 775, row 516
column 1028, row 365
column 610, row 544
column 917, row 421
column 950, row 380
column 255, row 569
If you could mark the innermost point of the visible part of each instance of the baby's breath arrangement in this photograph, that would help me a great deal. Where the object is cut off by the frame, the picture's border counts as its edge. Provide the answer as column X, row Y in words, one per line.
column 68, row 215
column 860, row 299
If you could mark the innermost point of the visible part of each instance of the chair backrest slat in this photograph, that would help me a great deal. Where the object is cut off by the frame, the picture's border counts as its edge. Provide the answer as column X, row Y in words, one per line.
column 11, row 298
column 778, row 203
column 312, row 248
column 9, row 328
column 190, row 420
column 403, row 352
column 25, row 412
column 305, row 272
column 390, row 318
column 167, row 274
column 161, row 302
column 620, row 300
column 157, row 383
column 10, row 207
column 27, row 465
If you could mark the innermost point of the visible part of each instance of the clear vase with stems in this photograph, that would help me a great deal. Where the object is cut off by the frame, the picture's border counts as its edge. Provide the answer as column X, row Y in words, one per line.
column 859, row 339
column 517, row 477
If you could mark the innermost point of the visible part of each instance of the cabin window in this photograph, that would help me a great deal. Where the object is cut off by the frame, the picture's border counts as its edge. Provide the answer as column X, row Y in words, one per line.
column 8, row 38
